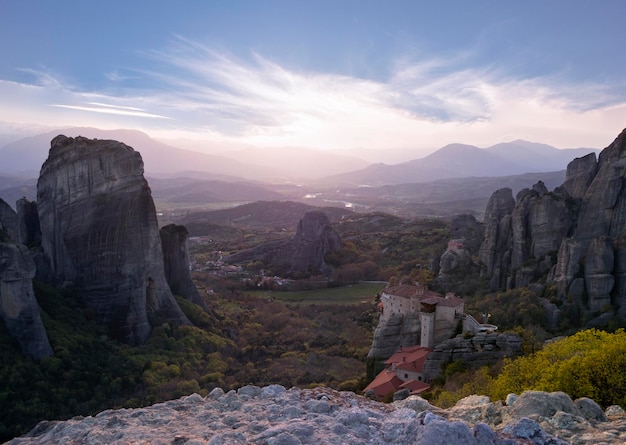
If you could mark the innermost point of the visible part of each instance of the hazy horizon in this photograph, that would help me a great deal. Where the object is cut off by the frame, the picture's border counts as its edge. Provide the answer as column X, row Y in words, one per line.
column 405, row 77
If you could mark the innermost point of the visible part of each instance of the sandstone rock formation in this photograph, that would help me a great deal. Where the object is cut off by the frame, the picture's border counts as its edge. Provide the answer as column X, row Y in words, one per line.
column 578, row 231
column 100, row 234
column 303, row 254
column 176, row 259
column 495, row 252
column 18, row 306
column 274, row 415
column 313, row 240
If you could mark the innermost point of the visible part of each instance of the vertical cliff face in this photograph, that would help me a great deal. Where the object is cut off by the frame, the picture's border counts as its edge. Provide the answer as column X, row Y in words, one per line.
column 8, row 221
column 100, row 234
column 176, row 259
column 495, row 252
column 28, row 228
column 584, row 220
column 18, row 307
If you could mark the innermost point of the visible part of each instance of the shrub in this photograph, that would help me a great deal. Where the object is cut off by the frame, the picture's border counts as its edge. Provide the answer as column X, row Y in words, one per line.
column 590, row 363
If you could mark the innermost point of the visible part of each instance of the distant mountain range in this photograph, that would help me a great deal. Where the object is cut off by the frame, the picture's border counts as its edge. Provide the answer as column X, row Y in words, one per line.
column 295, row 164
column 463, row 161
column 456, row 176
column 26, row 155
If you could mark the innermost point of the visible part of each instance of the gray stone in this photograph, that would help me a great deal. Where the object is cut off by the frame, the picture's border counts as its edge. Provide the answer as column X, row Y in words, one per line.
column 510, row 399
column 542, row 404
column 194, row 420
column 615, row 410
column 531, row 431
column 272, row 391
column 401, row 395
column 590, row 410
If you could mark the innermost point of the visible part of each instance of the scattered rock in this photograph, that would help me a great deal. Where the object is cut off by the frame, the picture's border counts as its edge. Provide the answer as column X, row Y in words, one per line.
column 275, row 415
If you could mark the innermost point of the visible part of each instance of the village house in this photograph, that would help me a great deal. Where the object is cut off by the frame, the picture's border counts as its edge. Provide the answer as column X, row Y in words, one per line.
column 403, row 370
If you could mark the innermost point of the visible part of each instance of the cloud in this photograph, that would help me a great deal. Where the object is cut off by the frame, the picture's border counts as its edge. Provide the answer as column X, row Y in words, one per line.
column 194, row 90
column 424, row 103
column 111, row 109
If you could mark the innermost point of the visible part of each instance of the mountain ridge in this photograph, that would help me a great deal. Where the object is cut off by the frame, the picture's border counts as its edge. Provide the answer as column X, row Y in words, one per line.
column 463, row 160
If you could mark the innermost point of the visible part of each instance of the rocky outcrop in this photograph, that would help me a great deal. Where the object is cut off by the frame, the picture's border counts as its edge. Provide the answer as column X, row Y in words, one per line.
column 274, row 415
column 303, row 254
column 454, row 260
column 495, row 252
column 100, row 234
column 18, row 306
column 583, row 221
column 176, row 259
column 580, row 173
column 314, row 239
column 475, row 351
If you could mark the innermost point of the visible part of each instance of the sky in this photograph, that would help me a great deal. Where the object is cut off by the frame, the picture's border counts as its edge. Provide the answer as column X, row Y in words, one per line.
column 335, row 75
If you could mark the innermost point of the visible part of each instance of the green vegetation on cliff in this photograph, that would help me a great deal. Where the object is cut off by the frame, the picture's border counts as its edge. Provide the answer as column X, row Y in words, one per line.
column 590, row 363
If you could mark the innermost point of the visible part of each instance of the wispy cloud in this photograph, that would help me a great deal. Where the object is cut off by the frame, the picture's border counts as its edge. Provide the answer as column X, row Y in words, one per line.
column 423, row 103
column 111, row 109
column 195, row 90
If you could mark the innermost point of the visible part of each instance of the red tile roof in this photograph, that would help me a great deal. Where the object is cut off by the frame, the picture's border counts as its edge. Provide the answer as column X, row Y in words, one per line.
column 410, row 358
column 384, row 383
column 415, row 386
column 403, row 290
column 409, row 290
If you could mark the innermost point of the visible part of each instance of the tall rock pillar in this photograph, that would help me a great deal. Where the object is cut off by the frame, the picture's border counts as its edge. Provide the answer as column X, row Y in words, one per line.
column 101, row 237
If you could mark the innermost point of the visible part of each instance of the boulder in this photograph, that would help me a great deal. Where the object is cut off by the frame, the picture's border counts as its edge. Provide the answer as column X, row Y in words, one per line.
column 539, row 404
column 100, row 234
column 18, row 306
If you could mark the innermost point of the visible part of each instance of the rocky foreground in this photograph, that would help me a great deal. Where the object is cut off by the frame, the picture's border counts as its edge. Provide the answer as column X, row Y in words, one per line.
column 275, row 416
